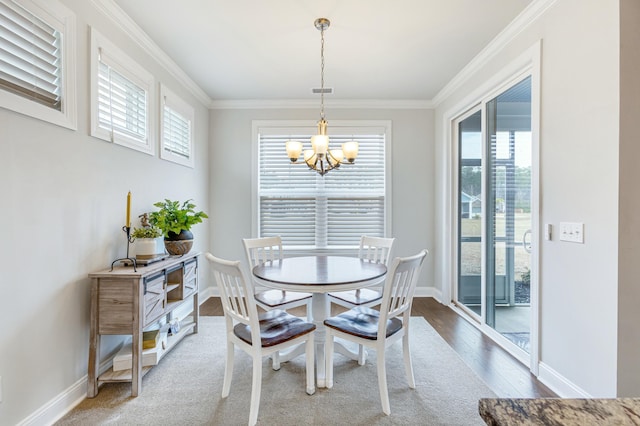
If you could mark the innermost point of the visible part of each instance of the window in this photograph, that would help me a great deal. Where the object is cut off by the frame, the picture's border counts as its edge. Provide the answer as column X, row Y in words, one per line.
column 37, row 60
column 312, row 212
column 122, row 95
column 177, row 129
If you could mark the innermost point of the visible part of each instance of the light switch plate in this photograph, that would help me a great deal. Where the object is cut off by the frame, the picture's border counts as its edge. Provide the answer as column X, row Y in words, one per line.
column 572, row 232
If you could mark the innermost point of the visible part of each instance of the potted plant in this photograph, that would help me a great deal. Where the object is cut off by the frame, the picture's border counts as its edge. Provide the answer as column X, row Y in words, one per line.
column 146, row 241
column 175, row 220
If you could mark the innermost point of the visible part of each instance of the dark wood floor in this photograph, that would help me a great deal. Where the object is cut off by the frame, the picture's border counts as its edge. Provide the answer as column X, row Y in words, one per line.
column 500, row 371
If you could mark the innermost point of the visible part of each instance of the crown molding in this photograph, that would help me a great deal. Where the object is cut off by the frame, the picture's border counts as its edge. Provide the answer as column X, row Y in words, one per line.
column 332, row 103
column 527, row 17
column 112, row 11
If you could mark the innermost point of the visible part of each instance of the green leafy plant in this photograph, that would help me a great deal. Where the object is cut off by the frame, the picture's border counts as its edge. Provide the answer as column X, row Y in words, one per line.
column 174, row 217
column 146, row 232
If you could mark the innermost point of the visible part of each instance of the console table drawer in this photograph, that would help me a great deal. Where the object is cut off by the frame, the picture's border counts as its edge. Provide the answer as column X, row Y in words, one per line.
column 190, row 269
column 154, row 298
column 190, row 274
column 115, row 306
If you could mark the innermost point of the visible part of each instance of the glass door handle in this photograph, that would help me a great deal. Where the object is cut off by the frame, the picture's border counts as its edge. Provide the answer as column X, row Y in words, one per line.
column 526, row 244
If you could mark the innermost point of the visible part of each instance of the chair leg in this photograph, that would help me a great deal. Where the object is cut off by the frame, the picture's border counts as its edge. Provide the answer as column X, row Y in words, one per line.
column 310, row 365
column 275, row 357
column 362, row 355
column 382, row 382
column 256, row 387
column 328, row 359
column 408, row 368
column 228, row 370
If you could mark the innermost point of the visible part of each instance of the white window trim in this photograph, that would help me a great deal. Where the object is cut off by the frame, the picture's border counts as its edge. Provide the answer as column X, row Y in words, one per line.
column 167, row 97
column 64, row 20
column 101, row 46
column 336, row 127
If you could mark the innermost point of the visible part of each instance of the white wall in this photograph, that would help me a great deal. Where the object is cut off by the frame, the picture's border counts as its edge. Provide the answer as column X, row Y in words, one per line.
column 63, row 196
column 579, row 183
column 412, row 165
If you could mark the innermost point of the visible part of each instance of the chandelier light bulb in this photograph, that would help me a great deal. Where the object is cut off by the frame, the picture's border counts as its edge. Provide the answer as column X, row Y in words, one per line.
column 350, row 150
column 309, row 157
column 294, row 149
column 320, row 144
column 335, row 157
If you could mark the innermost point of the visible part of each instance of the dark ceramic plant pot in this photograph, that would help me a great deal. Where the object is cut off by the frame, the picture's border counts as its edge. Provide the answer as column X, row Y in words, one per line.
column 178, row 244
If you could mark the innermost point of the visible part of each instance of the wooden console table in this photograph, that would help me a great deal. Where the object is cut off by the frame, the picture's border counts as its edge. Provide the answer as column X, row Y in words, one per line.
column 125, row 302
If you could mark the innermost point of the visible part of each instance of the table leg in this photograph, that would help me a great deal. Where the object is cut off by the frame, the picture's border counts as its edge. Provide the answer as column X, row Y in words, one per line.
column 320, row 311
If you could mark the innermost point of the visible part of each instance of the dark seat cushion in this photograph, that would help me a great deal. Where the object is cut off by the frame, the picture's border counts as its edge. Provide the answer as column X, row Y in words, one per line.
column 362, row 322
column 276, row 327
column 358, row 297
column 274, row 298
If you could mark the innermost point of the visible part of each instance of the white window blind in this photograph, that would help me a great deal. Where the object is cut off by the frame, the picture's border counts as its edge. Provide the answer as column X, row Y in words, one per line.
column 177, row 129
column 177, row 132
column 313, row 212
column 122, row 97
column 122, row 104
column 30, row 56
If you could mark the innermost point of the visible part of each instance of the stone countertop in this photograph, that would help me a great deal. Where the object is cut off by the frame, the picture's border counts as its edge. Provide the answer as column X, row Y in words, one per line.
column 559, row 411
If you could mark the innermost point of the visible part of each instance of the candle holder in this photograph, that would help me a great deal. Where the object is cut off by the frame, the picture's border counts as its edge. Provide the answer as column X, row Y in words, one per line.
column 127, row 231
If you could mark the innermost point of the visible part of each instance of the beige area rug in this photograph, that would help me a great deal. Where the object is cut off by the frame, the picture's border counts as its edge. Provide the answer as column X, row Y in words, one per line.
column 185, row 389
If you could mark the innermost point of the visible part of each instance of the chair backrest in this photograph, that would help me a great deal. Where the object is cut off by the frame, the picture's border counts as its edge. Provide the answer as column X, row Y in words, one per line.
column 376, row 249
column 260, row 250
column 236, row 294
column 399, row 287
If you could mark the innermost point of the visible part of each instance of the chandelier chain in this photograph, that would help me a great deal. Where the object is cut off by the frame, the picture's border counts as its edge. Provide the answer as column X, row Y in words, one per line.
column 322, row 73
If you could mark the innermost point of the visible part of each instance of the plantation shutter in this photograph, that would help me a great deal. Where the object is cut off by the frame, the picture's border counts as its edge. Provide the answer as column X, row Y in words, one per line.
column 30, row 57
column 176, row 133
column 310, row 211
column 122, row 104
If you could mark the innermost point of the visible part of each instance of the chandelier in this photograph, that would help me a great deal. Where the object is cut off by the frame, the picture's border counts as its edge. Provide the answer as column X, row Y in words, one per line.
column 320, row 158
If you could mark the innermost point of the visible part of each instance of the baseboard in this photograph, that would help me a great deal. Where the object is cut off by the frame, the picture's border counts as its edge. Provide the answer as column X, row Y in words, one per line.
column 60, row 405
column 559, row 384
column 53, row 410
column 207, row 293
column 57, row 407
column 428, row 292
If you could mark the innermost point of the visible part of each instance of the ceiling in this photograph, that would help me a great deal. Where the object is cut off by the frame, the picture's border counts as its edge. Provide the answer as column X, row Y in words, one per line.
column 270, row 49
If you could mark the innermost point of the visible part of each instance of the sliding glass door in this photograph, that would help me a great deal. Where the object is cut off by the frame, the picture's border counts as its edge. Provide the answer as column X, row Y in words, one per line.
column 494, row 214
column 509, row 220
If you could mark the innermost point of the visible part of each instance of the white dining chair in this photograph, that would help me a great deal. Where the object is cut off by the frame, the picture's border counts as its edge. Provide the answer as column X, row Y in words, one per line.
column 380, row 329
column 265, row 249
column 372, row 249
column 258, row 336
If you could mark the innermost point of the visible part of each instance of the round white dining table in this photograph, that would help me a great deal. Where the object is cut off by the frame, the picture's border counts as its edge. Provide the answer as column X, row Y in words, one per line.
column 319, row 275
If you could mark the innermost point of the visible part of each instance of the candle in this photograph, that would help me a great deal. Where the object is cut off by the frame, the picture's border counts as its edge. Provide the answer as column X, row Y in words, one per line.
column 128, row 225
